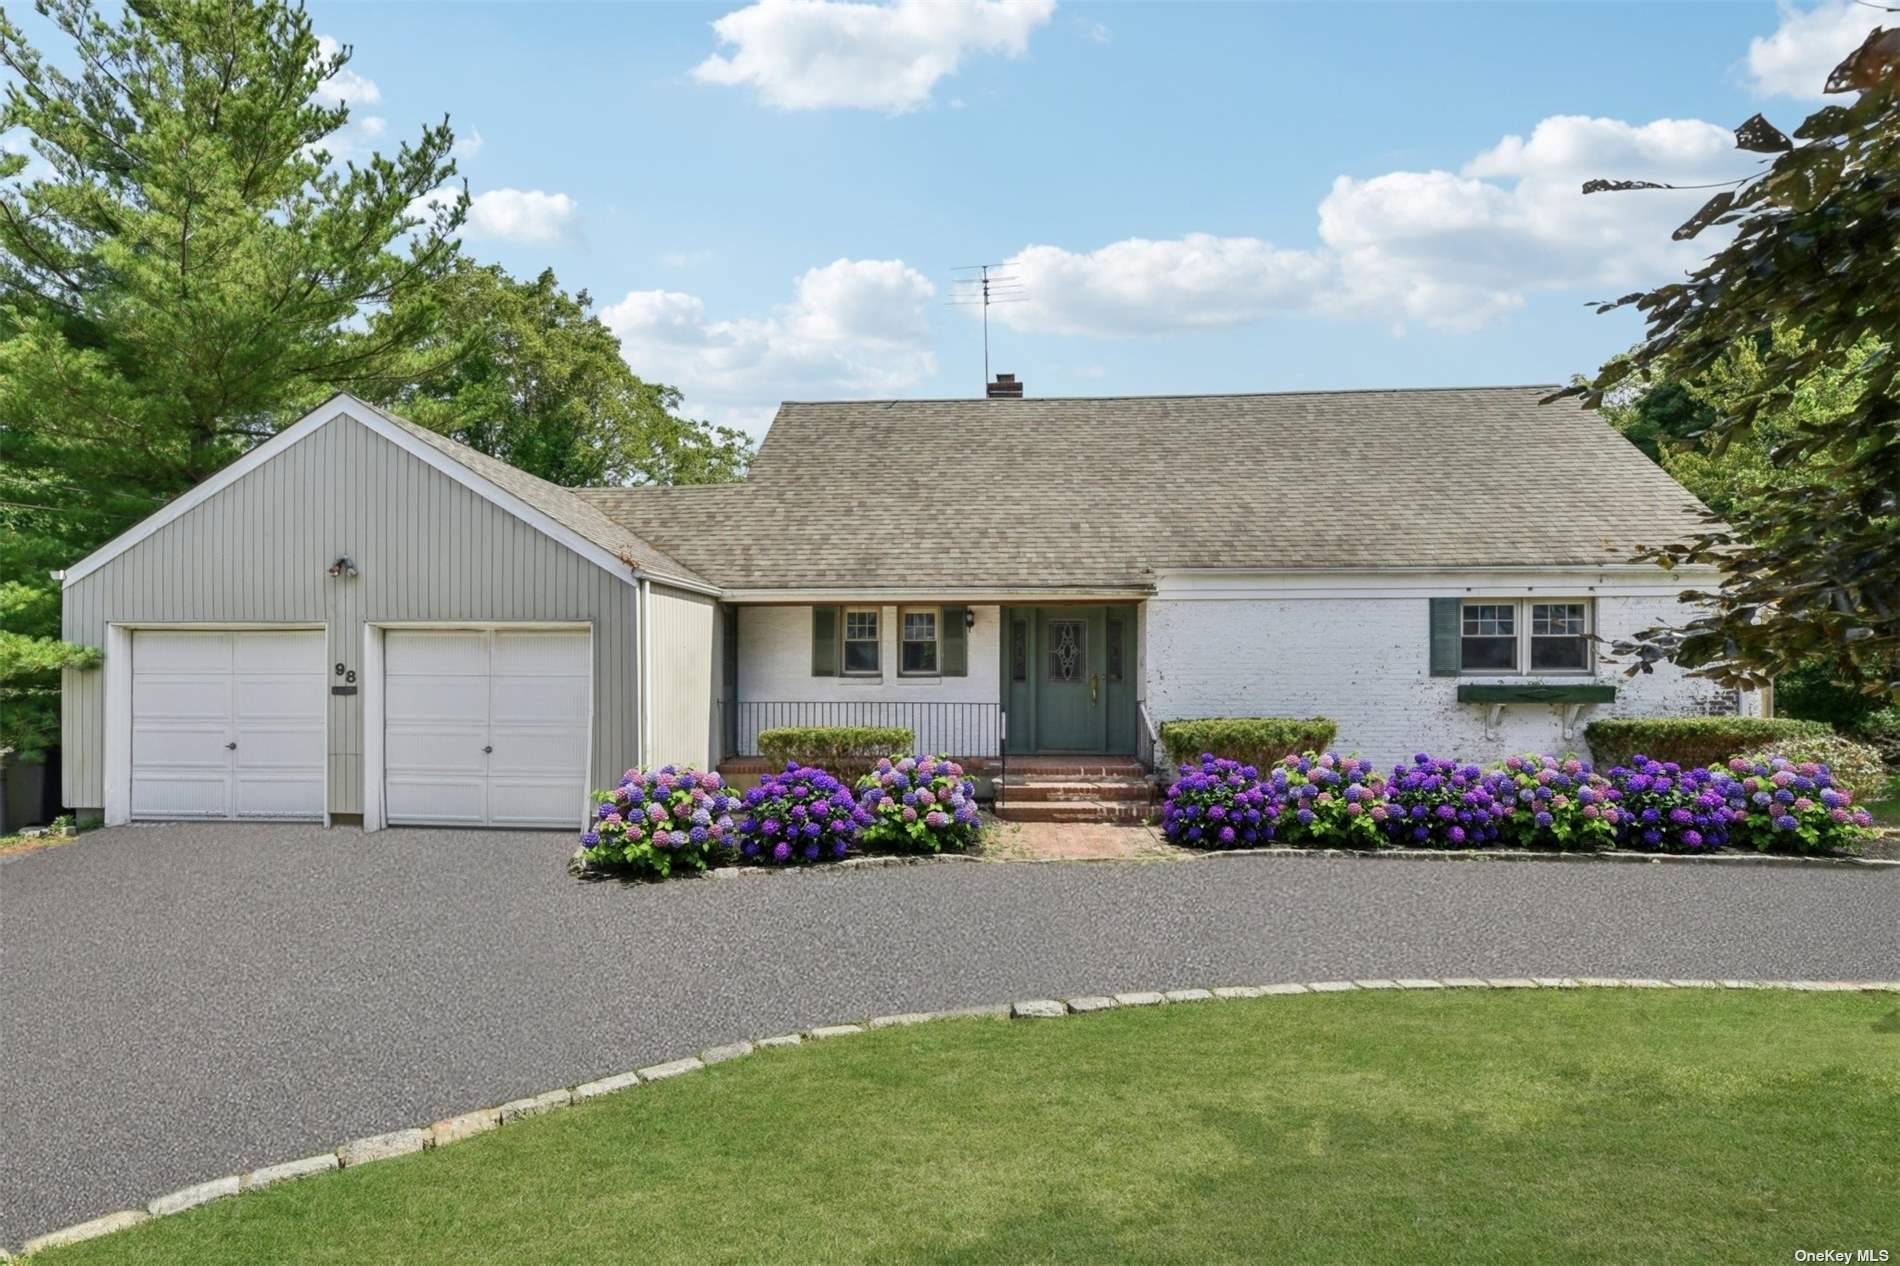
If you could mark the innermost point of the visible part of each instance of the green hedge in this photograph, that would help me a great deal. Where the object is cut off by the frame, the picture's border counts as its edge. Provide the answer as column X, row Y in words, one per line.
column 1692, row 740
column 846, row 752
column 1258, row 741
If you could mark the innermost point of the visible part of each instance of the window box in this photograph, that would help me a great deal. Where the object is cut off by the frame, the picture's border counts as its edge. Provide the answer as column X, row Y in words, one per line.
column 1530, row 692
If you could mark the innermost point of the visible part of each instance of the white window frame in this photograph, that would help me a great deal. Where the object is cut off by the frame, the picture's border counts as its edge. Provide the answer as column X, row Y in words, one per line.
column 1521, row 623
column 845, row 639
column 936, row 641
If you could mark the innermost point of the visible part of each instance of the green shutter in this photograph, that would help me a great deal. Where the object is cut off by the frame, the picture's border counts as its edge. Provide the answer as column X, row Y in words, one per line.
column 824, row 641
column 1446, row 615
column 954, row 646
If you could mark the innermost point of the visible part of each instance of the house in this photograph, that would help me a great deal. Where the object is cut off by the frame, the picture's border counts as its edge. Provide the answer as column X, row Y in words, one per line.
column 360, row 617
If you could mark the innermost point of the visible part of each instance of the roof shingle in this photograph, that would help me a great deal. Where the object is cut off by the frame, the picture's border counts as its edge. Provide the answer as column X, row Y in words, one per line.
column 1047, row 493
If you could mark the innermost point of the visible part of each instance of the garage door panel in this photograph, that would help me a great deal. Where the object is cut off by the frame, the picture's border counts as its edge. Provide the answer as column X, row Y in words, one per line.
column 263, row 748
column 296, row 652
column 286, row 697
column 410, row 652
column 165, row 651
column 434, row 801
column 175, row 794
column 541, row 654
column 560, row 701
column 560, row 751
column 438, row 701
column 186, row 698
column 158, row 748
column 433, row 750
column 528, row 801
column 286, row 795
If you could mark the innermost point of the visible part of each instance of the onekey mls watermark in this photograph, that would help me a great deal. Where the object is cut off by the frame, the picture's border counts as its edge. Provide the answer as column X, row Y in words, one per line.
column 1842, row 1255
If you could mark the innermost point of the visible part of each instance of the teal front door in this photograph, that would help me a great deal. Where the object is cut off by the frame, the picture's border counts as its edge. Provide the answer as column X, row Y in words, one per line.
column 1069, row 678
column 1069, row 711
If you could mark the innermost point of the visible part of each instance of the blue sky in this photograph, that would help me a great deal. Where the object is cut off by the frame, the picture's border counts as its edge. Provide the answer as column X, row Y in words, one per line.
column 1220, row 197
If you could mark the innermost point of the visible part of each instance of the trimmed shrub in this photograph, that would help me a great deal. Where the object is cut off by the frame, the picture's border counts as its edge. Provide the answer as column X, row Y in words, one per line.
column 919, row 804
column 1691, row 741
column 1555, row 804
column 1780, row 804
column 800, row 815
column 1256, row 741
column 1852, row 767
column 848, row 751
column 1669, row 809
column 1218, row 803
column 1328, row 800
column 656, row 820
column 1445, row 804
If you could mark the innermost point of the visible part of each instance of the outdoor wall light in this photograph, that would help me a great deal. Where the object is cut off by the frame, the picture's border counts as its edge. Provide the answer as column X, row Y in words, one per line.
column 969, row 617
column 343, row 567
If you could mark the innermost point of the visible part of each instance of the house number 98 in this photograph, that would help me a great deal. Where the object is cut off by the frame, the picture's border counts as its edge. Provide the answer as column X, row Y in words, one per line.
column 347, row 674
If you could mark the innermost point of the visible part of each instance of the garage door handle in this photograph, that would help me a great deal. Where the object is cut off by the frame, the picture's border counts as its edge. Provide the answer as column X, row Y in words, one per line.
column 488, row 751
column 230, row 747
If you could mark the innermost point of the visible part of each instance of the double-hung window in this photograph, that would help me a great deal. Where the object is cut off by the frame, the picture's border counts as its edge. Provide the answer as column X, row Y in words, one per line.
column 861, row 642
column 1524, row 635
column 918, row 653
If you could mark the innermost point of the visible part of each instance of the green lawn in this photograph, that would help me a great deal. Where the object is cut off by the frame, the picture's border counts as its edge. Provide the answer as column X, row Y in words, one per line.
column 1569, row 1127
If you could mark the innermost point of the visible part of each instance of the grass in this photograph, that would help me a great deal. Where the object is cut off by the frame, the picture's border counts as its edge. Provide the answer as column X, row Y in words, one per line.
column 1484, row 1127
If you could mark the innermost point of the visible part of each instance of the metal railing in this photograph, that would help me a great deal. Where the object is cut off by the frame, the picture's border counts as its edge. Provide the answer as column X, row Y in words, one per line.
column 948, row 729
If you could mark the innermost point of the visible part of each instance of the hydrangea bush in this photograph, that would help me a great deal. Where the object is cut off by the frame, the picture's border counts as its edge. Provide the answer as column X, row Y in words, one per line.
column 1555, row 804
column 1666, row 808
column 1445, row 804
column 802, row 814
column 656, row 820
column 1219, row 803
column 1775, row 803
column 1328, row 799
column 917, row 804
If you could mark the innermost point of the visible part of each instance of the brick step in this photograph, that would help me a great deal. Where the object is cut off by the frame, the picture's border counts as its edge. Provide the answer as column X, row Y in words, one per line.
column 1014, row 810
column 1038, row 788
column 1080, row 767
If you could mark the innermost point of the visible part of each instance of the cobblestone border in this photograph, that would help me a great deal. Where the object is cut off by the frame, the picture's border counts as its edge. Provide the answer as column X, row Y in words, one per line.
column 452, row 1130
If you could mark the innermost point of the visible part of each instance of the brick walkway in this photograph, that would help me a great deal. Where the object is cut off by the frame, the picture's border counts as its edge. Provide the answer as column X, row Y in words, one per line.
column 1075, row 841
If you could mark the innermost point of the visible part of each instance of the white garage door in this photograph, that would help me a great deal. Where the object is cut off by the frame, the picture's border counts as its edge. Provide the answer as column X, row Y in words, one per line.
column 485, row 727
column 227, row 725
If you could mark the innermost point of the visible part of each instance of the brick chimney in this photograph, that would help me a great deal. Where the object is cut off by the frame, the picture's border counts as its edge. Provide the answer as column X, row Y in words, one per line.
column 1005, row 388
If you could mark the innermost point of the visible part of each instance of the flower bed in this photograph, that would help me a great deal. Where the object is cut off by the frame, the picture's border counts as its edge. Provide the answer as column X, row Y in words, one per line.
column 656, row 820
column 1219, row 803
column 1530, row 801
column 919, row 804
column 1778, row 805
column 800, row 815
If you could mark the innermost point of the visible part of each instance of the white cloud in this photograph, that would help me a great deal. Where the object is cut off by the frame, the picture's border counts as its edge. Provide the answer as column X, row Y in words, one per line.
column 520, row 215
column 855, row 327
column 825, row 54
column 507, row 215
column 467, row 146
column 1093, row 31
column 346, row 86
column 1796, row 59
column 1452, row 250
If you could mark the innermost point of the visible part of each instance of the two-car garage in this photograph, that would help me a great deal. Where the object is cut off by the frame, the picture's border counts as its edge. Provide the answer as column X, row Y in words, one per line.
column 362, row 621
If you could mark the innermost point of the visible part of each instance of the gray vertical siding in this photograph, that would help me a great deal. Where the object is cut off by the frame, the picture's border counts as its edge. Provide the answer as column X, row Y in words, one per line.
column 680, row 635
column 426, row 548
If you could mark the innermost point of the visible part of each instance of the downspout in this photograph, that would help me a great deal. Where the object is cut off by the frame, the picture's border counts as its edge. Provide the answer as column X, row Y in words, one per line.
column 643, row 670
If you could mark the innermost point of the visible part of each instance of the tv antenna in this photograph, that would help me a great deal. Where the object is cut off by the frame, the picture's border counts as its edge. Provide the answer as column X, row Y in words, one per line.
column 987, row 284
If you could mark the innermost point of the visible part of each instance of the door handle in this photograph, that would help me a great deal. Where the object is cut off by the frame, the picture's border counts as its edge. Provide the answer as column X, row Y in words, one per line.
column 488, row 751
column 230, row 747
column 1095, row 680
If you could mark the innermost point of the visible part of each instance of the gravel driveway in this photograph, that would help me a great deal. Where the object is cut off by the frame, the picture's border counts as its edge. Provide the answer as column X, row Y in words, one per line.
column 185, row 1001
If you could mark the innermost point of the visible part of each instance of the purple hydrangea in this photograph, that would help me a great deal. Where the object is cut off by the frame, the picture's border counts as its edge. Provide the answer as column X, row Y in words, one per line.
column 654, row 821
column 917, row 804
column 789, row 812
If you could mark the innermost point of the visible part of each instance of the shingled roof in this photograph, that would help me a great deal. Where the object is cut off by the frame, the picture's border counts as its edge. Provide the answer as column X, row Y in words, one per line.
column 1101, row 492
column 576, row 514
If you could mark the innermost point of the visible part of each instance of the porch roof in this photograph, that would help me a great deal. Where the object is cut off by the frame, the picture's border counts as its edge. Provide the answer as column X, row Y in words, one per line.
column 1099, row 493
